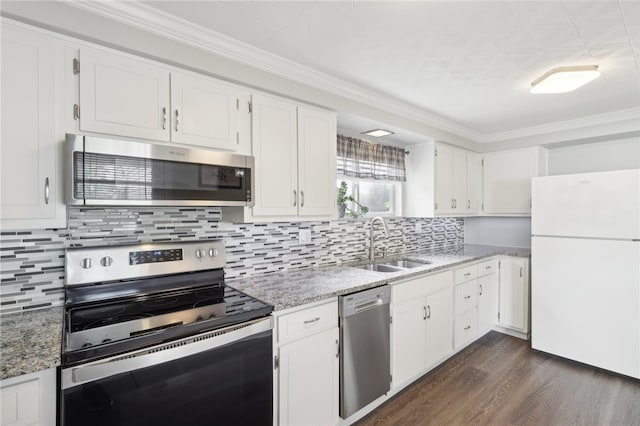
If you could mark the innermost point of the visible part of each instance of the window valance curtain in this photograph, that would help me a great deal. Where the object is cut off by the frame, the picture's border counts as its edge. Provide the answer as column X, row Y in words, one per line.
column 362, row 159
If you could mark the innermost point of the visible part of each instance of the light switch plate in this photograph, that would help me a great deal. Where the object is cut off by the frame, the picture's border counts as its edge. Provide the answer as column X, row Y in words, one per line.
column 418, row 227
column 304, row 236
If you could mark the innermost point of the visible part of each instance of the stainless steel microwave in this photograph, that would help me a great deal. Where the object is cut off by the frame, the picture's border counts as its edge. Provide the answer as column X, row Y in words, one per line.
column 103, row 172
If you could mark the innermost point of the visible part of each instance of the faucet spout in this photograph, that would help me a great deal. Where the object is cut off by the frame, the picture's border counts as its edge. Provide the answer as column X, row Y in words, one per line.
column 372, row 252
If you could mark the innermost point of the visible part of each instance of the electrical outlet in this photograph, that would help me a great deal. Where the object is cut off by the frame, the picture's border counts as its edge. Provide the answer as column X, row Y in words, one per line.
column 304, row 236
column 418, row 227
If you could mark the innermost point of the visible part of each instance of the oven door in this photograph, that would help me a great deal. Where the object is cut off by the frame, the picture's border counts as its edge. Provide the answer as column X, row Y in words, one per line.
column 219, row 377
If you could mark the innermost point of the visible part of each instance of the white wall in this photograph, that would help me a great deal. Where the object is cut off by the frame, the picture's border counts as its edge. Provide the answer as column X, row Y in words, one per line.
column 595, row 157
column 498, row 231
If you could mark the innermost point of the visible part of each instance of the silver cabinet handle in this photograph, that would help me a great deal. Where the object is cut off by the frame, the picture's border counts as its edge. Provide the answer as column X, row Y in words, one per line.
column 480, row 287
column 164, row 118
column 521, row 272
column 295, row 198
column 177, row 119
column 487, row 267
column 301, row 198
column 452, row 203
column 467, row 297
column 424, row 315
column 337, row 348
column 468, row 204
column 428, row 311
column 467, row 328
column 467, row 274
column 455, row 203
column 46, row 190
column 311, row 321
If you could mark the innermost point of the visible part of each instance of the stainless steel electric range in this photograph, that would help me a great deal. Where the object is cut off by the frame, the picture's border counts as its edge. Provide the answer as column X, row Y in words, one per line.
column 154, row 336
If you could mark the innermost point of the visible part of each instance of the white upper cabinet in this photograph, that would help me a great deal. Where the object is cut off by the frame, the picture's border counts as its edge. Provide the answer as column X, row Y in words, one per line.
column 507, row 180
column 295, row 151
column 30, row 147
column 275, row 147
column 203, row 112
column 457, row 177
column 316, row 162
column 124, row 96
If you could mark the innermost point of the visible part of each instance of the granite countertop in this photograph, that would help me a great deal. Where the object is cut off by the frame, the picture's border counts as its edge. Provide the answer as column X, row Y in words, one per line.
column 30, row 341
column 294, row 288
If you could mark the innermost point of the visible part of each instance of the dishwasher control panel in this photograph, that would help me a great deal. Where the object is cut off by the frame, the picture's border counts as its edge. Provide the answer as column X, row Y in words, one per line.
column 357, row 302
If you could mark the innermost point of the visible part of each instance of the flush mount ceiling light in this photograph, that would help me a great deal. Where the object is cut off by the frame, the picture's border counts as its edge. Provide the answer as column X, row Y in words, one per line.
column 565, row 79
column 376, row 133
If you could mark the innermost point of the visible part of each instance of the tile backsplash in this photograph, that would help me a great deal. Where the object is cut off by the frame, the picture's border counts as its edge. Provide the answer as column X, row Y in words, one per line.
column 32, row 261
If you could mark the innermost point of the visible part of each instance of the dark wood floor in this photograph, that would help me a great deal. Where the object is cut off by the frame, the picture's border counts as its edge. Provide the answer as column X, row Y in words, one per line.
column 500, row 380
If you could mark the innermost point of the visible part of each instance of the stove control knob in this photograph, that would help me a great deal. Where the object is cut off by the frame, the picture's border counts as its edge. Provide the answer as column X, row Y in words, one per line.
column 213, row 252
column 199, row 253
column 86, row 263
column 106, row 261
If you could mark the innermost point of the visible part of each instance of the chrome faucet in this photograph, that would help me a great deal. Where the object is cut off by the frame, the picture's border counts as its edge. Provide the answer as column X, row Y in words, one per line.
column 372, row 252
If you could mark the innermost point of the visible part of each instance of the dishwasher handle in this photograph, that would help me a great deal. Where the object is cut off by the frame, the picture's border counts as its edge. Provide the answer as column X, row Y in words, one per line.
column 369, row 305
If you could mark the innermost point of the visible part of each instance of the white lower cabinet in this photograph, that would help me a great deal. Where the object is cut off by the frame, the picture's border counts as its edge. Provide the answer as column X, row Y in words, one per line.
column 487, row 301
column 421, row 334
column 308, row 362
column 29, row 400
column 514, row 293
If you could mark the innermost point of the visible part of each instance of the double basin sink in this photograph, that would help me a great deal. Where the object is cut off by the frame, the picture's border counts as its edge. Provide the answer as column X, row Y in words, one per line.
column 393, row 265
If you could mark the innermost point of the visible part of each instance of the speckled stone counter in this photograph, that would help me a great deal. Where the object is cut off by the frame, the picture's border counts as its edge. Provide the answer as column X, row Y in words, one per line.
column 30, row 341
column 294, row 288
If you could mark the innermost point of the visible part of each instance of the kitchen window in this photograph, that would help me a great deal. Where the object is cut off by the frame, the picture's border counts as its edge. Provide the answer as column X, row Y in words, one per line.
column 373, row 174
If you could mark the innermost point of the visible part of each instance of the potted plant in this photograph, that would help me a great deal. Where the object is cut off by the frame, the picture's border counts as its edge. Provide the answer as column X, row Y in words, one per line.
column 342, row 200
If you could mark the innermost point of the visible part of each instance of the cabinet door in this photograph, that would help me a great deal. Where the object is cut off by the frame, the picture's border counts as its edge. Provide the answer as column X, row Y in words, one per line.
column 514, row 293
column 474, row 184
column 123, row 96
column 275, row 149
column 316, row 162
column 408, row 344
column 29, row 399
column 459, row 181
column 309, row 374
column 444, row 179
column 439, row 330
column 28, row 152
column 203, row 112
column 487, row 303
column 507, row 181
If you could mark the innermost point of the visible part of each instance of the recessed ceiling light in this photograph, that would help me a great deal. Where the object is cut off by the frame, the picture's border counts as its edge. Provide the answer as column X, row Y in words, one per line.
column 565, row 79
column 376, row 133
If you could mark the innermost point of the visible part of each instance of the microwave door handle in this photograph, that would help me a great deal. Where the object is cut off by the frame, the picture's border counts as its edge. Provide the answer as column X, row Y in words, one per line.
column 75, row 376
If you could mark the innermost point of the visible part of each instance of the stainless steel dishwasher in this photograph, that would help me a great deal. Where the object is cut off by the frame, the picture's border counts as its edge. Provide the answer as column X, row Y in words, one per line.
column 365, row 341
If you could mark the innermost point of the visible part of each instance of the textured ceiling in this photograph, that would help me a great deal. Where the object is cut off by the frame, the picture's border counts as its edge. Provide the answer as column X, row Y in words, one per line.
column 467, row 62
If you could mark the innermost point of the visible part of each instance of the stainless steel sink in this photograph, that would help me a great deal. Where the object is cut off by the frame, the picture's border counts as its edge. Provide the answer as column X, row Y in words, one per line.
column 379, row 267
column 393, row 265
column 406, row 264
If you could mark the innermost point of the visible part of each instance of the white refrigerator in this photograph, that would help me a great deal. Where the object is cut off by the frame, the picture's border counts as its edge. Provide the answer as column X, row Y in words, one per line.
column 585, row 268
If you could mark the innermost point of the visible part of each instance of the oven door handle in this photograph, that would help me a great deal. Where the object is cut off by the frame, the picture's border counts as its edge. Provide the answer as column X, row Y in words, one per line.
column 75, row 376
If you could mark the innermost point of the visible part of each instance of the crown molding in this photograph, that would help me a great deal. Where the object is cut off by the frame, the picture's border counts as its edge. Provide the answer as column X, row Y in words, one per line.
column 600, row 120
column 155, row 21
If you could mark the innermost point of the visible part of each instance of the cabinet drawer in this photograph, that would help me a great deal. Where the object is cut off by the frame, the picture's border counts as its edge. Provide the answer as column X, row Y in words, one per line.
column 466, row 297
column 488, row 267
column 421, row 286
column 466, row 273
column 465, row 328
column 307, row 321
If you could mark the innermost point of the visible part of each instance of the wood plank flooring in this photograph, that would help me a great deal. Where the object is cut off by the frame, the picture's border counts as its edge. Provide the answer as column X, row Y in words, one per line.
column 500, row 380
